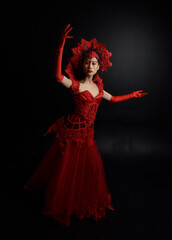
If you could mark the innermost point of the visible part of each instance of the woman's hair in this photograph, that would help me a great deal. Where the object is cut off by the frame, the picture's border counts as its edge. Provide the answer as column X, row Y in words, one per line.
column 79, row 73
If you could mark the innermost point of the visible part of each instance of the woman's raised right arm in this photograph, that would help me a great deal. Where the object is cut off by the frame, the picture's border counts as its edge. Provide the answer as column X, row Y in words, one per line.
column 58, row 58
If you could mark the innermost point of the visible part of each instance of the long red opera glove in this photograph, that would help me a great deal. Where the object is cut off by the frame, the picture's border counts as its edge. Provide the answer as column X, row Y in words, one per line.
column 121, row 98
column 59, row 53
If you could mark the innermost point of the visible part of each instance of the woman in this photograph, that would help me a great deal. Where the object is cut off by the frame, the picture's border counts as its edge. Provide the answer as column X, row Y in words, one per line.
column 71, row 174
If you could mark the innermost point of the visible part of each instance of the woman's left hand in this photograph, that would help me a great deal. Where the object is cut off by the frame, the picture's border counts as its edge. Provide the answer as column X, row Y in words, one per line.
column 138, row 94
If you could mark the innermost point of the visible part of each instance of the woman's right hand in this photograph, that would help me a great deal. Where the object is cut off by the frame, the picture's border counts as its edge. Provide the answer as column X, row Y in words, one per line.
column 64, row 33
column 58, row 58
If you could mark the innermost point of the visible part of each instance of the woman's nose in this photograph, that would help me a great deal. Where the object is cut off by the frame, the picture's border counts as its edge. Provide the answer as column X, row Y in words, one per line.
column 90, row 64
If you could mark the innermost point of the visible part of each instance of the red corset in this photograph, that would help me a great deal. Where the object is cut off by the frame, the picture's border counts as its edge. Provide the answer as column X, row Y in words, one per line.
column 79, row 126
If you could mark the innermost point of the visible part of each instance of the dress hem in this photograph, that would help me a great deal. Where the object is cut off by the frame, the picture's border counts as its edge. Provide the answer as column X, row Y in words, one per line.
column 89, row 212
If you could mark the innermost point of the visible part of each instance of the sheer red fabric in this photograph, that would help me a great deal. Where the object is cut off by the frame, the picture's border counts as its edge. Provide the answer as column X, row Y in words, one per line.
column 71, row 173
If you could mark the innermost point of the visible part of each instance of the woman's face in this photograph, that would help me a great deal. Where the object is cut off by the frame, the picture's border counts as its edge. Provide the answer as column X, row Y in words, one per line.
column 90, row 66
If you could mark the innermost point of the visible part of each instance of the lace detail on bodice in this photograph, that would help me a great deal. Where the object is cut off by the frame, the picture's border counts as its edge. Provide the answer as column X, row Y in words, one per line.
column 79, row 126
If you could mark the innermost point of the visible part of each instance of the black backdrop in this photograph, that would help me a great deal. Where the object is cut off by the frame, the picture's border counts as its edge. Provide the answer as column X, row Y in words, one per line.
column 139, row 36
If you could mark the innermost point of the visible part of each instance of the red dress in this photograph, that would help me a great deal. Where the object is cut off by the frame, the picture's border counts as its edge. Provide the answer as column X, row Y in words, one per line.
column 71, row 174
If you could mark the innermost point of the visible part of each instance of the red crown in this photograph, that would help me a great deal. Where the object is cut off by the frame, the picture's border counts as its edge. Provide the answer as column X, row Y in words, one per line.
column 80, row 51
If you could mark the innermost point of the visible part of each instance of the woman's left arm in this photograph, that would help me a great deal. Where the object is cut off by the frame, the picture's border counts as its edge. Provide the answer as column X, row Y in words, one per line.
column 136, row 94
column 107, row 96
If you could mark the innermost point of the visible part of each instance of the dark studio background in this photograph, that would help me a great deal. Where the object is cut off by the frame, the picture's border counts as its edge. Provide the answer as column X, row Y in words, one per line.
column 134, row 137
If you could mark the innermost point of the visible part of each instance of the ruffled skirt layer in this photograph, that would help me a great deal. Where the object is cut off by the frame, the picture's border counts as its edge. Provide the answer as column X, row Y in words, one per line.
column 73, row 180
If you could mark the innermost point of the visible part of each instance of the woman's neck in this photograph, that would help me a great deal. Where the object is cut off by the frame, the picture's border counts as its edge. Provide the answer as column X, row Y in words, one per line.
column 88, row 79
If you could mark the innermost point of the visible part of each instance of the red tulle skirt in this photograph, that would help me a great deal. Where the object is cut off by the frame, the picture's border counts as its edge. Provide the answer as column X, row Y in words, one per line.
column 73, row 180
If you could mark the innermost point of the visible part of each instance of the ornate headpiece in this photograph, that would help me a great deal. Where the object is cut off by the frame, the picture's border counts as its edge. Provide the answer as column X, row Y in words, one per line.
column 91, row 49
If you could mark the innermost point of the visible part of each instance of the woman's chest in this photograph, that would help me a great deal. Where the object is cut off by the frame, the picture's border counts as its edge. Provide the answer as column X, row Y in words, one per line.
column 91, row 88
